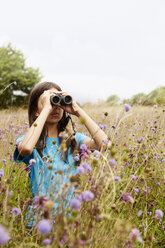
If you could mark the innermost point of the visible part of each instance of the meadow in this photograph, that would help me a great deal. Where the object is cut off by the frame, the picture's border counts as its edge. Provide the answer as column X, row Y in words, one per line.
column 119, row 191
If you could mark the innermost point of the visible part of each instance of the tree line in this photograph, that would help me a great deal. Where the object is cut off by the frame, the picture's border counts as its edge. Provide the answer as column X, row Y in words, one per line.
column 17, row 80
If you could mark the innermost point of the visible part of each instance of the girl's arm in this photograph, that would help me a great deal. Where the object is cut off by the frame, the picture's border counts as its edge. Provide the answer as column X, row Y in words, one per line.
column 98, row 135
column 26, row 146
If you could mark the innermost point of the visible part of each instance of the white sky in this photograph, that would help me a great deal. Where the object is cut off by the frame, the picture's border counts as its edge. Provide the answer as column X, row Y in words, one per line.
column 91, row 48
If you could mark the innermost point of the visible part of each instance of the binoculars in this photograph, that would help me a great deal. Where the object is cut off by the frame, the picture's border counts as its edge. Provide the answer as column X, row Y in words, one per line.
column 58, row 99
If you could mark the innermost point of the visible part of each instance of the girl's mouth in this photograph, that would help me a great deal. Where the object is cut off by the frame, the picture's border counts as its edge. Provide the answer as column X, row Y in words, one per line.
column 55, row 114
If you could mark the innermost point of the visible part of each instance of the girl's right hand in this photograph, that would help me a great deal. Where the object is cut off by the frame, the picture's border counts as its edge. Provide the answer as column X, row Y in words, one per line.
column 44, row 101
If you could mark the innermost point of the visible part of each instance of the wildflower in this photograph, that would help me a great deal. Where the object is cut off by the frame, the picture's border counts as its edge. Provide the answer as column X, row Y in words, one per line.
column 86, row 167
column 83, row 147
column 4, row 161
column 127, row 197
column 135, row 235
column 159, row 214
column 139, row 213
column 79, row 197
column 88, row 196
column 96, row 153
column 27, row 168
column 32, row 161
column 44, row 226
column 64, row 239
column 105, row 141
column 15, row 212
column 140, row 140
column 75, row 203
column 4, row 235
column 127, row 107
column 77, row 157
column 1, row 172
column 112, row 162
column 155, row 106
column 80, row 170
column 133, row 177
column 118, row 179
column 102, row 126
column 136, row 190
column 40, row 201
column 46, row 242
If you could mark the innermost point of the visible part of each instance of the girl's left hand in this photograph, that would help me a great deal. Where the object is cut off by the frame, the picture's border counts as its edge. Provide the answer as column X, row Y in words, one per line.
column 71, row 108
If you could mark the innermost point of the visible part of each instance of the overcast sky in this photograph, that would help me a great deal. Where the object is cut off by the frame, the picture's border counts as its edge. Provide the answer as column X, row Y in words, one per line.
column 91, row 48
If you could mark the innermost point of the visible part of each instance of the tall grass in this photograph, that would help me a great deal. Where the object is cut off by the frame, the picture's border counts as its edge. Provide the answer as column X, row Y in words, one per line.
column 127, row 181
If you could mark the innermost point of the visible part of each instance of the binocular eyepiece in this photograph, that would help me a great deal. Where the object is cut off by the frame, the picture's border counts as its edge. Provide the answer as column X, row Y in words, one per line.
column 58, row 99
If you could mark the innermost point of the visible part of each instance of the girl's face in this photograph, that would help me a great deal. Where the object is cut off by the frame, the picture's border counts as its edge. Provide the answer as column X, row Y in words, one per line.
column 56, row 113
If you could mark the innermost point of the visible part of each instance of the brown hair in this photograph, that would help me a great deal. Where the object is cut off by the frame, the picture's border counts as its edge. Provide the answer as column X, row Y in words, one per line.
column 32, row 109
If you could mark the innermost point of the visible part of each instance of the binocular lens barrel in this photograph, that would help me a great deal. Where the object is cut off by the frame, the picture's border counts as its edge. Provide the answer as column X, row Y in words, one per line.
column 55, row 100
column 67, row 99
column 58, row 99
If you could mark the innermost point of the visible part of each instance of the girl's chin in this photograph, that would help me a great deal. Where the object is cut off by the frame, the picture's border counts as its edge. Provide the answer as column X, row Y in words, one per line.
column 54, row 119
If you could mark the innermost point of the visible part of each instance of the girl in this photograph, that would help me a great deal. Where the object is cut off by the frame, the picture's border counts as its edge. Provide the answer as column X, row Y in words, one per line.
column 49, row 153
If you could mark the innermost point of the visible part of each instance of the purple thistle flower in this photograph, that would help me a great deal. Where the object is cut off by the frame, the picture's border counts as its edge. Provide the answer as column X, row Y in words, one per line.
column 83, row 147
column 136, row 190
column 139, row 213
column 75, row 203
column 105, row 141
column 4, row 161
column 112, row 162
column 118, row 179
column 159, row 214
column 88, row 196
column 127, row 107
column 79, row 197
column 155, row 106
column 96, row 153
column 46, row 242
column 102, row 126
column 86, row 167
column 15, row 212
column 1, row 172
column 4, row 235
column 127, row 197
column 64, row 239
column 82, row 242
column 44, row 226
column 77, row 157
column 27, row 168
column 133, row 177
column 140, row 140
column 80, row 170
column 40, row 201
